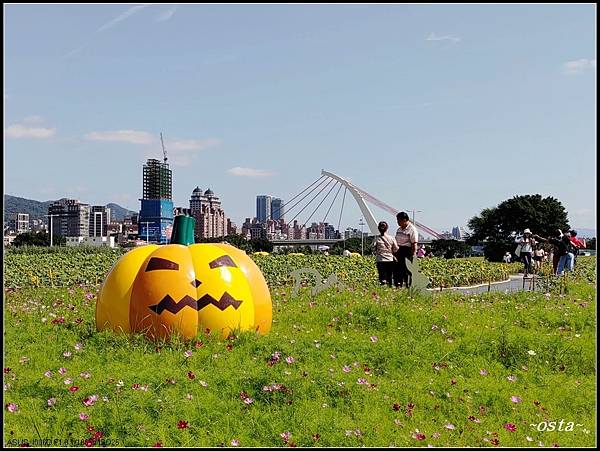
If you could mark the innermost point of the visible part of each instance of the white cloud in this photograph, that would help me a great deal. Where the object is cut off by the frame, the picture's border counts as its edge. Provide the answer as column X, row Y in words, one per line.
column 249, row 172
column 33, row 119
column 449, row 37
column 17, row 131
column 131, row 11
column 127, row 136
column 578, row 66
column 191, row 144
column 166, row 15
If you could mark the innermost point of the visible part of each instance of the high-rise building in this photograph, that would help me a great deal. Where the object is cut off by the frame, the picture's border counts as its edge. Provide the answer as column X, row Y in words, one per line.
column 277, row 209
column 19, row 223
column 69, row 218
column 99, row 220
column 210, row 217
column 263, row 208
column 156, row 214
column 157, row 180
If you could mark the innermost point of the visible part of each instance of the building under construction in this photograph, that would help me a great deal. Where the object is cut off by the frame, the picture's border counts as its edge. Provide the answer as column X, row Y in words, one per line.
column 156, row 214
column 157, row 180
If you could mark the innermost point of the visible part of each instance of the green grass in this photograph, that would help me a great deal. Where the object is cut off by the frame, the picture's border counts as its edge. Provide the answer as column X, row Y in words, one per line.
column 429, row 351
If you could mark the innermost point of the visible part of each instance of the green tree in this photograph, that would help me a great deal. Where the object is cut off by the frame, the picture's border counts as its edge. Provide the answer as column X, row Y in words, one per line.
column 353, row 245
column 261, row 244
column 38, row 239
column 450, row 248
column 497, row 227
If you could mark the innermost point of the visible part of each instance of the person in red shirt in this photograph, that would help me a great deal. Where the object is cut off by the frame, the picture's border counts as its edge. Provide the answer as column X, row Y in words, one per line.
column 577, row 244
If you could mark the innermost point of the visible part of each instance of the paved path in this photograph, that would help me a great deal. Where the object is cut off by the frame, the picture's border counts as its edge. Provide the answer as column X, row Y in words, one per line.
column 515, row 283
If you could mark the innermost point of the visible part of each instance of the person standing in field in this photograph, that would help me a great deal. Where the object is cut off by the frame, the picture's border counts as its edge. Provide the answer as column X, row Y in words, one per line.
column 563, row 250
column 577, row 244
column 384, row 246
column 538, row 256
column 527, row 244
column 407, row 239
column 421, row 251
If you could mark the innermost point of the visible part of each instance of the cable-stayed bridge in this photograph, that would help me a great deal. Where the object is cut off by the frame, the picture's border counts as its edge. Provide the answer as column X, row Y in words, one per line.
column 329, row 180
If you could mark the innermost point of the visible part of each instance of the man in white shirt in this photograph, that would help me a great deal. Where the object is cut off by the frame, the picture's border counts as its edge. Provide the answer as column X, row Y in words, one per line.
column 407, row 239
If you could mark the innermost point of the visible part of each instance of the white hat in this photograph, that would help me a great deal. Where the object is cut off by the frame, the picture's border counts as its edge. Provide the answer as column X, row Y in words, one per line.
column 526, row 231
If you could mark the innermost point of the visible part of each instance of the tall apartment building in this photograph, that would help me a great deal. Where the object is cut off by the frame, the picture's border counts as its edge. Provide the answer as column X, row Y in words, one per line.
column 69, row 217
column 210, row 217
column 99, row 220
column 263, row 208
column 156, row 213
column 19, row 223
column 277, row 209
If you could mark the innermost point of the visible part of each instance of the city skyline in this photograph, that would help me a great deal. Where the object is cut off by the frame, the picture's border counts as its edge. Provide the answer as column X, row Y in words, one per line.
column 446, row 109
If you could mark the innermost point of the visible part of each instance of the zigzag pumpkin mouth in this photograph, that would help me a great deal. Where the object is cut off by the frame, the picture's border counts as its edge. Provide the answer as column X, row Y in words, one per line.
column 168, row 303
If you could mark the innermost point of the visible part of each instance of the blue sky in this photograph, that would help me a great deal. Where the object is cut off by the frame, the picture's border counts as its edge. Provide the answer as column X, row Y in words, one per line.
column 447, row 109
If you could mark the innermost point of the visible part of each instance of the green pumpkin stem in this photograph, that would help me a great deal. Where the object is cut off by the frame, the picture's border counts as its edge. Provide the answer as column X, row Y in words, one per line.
column 183, row 230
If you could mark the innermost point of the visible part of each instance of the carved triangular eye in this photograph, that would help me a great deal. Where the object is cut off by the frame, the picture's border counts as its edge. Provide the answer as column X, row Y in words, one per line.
column 225, row 260
column 196, row 283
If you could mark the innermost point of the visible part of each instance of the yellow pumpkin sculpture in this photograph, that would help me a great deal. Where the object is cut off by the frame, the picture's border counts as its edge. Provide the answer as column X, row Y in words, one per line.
column 183, row 288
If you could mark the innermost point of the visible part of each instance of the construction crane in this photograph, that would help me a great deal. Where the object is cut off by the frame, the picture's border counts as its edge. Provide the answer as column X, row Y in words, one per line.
column 163, row 147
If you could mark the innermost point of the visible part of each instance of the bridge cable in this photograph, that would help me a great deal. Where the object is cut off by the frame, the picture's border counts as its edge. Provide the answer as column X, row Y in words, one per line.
column 326, row 196
column 342, row 209
column 332, row 202
column 310, row 201
column 289, row 201
column 290, row 208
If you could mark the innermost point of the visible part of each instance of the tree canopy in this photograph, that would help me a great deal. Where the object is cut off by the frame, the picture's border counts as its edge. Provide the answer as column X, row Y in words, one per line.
column 497, row 227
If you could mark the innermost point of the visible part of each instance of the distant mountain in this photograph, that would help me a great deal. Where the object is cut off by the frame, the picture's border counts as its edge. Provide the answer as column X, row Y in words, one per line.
column 39, row 210
column 119, row 213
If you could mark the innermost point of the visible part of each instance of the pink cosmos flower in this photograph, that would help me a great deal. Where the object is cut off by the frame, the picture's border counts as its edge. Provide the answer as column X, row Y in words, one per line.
column 68, row 381
column 62, row 371
column 73, row 388
column 483, row 372
column 191, row 375
column 346, row 369
column 48, row 373
column 510, row 427
column 361, row 381
column 248, row 400
column 90, row 401
column 290, row 360
column 85, row 375
column 78, row 346
column 374, row 339
column 189, row 397
column 203, row 383
column 67, row 354
column 515, row 399
column 285, row 436
column 182, row 424
column 449, row 426
column 51, row 402
column 83, row 416
column 418, row 436
column 512, row 378
column 12, row 407
column 235, row 442
column 187, row 354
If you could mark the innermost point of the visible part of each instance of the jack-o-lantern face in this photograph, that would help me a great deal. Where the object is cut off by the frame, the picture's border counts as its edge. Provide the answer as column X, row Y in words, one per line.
column 185, row 289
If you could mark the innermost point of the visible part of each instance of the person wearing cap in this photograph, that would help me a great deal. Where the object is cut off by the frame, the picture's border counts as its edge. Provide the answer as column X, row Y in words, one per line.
column 527, row 244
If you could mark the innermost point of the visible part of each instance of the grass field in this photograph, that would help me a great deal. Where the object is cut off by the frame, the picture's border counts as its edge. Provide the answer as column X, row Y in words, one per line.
column 358, row 367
